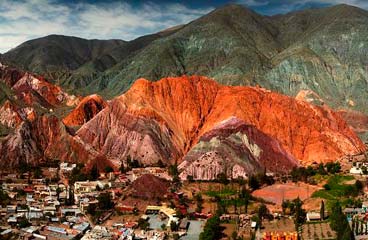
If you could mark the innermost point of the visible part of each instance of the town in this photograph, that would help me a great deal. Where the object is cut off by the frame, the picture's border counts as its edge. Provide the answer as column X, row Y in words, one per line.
column 64, row 201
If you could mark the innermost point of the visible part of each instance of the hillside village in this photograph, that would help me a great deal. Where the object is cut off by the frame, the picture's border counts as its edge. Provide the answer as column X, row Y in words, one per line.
column 63, row 202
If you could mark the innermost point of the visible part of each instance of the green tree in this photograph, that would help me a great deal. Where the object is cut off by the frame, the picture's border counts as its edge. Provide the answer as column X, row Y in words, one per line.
column 322, row 210
column 23, row 223
column 199, row 201
column 222, row 178
column 94, row 174
column 359, row 186
column 339, row 223
column 173, row 226
column 262, row 213
column 284, row 206
column 253, row 182
column 105, row 201
column 211, row 230
column 143, row 224
column 108, row 169
column 91, row 209
column 299, row 216
column 4, row 198
column 37, row 173
column 190, row 178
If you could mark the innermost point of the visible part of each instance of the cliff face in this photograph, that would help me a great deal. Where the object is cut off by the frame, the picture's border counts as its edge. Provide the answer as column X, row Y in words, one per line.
column 85, row 110
column 238, row 148
column 40, row 140
column 191, row 118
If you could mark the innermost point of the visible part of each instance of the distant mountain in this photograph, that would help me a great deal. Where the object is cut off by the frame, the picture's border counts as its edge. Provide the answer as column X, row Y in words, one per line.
column 323, row 50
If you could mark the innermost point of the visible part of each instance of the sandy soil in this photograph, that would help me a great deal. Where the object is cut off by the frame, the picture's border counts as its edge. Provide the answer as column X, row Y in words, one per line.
column 278, row 192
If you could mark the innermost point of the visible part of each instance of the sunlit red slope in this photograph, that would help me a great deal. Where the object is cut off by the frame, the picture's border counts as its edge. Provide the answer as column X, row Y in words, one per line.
column 166, row 120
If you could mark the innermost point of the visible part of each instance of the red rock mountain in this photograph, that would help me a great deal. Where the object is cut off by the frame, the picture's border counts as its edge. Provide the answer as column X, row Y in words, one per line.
column 85, row 111
column 165, row 120
column 205, row 127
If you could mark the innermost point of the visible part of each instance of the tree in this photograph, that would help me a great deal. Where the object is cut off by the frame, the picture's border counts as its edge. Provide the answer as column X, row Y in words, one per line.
column 104, row 201
column 91, row 209
column 339, row 223
column 262, row 212
column 143, row 224
column 23, row 223
column 173, row 226
column 190, row 178
column 122, row 168
column 321, row 169
column 70, row 200
column 322, row 211
column 174, row 173
column 222, row 178
column 4, row 198
column 211, row 230
column 246, row 200
column 160, row 164
column 163, row 226
column 37, row 173
column 284, row 206
column 359, row 185
column 253, row 182
column 108, row 169
column 94, row 174
column 299, row 213
column 199, row 201
column 58, row 191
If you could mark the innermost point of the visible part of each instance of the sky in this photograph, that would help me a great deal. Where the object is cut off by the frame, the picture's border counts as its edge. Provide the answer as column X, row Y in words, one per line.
column 22, row 20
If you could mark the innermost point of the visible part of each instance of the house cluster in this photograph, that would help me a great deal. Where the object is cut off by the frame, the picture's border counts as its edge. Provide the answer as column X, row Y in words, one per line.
column 33, row 202
column 279, row 236
column 359, row 168
column 358, row 220
column 156, row 171
column 57, row 209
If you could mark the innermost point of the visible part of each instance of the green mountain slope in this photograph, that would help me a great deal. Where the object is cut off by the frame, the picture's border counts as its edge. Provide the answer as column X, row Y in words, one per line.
column 324, row 50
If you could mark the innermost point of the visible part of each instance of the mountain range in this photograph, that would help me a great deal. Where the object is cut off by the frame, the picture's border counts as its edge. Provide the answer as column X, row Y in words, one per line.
column 323, row 50
column 313, row 62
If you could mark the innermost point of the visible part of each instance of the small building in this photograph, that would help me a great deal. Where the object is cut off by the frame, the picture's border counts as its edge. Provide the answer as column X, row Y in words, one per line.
column 184, row 224
column 313, row 216
column 356, row 171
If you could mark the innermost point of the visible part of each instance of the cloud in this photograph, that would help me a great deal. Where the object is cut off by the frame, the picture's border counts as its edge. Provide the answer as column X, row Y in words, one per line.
column 271, row 7
column 23, row 20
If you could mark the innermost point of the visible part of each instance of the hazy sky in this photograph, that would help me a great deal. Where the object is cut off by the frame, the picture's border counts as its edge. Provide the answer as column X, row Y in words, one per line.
column 21, row 20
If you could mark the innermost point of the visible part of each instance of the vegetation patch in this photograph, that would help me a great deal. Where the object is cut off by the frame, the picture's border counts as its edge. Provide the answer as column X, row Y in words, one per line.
column 337, row 189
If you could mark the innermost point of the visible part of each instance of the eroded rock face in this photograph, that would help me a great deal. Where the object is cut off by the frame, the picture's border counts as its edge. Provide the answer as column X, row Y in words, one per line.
column 179, row 118
column 117, row 134
column 42, row 139
column 207, row 127
column 357, row 120
column 89, row 107
column 237, row 149
column 33, row 90
column 9, row 115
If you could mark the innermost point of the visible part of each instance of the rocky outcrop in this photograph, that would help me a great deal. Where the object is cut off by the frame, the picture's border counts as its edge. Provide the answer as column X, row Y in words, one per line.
column 85, row 110
column 176, row 118
column 236, row 149
column 9, row 115
column 40, row 140
column 357, row 120
column 33, row 90
column 193, row 121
